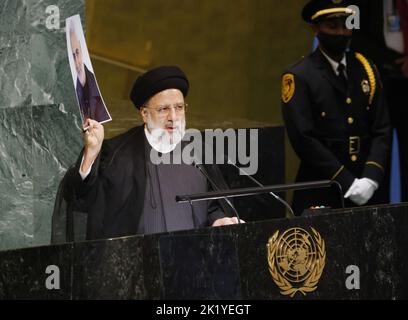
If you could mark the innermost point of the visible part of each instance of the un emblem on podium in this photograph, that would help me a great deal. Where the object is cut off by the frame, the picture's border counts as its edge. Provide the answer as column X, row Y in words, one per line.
column 296, row 260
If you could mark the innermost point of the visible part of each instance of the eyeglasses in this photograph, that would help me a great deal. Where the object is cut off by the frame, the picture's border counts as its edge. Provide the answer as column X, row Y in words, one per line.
column 165, row 110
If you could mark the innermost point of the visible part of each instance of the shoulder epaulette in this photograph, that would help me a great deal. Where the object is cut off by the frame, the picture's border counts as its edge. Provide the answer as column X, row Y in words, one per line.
column 370, row 73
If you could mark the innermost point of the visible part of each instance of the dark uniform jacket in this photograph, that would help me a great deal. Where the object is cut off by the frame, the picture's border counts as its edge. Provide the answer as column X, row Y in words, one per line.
column 113, row 193
column 339, row 132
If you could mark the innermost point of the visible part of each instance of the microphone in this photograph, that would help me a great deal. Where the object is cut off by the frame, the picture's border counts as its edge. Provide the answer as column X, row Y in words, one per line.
column 215, row 186
column 291, row 215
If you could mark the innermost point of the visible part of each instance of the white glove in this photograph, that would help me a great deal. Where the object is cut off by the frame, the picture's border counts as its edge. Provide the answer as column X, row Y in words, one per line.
column 361, row 191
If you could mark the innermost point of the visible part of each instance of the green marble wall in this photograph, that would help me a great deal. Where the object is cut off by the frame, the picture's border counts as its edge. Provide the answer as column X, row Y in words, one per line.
column 39, row 127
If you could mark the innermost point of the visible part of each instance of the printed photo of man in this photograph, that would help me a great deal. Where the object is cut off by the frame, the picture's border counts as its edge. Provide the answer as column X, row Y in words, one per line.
column 90, row 101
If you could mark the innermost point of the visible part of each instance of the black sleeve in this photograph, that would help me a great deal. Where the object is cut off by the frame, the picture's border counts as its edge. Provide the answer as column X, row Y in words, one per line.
column 85, row 191
column 381, row 135
column 215, row 211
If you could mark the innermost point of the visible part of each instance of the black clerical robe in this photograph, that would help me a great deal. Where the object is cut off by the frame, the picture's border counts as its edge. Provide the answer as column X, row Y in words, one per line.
column 114, row 194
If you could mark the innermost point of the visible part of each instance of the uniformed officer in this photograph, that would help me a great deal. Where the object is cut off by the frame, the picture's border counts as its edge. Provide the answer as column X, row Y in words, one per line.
column 335, row 114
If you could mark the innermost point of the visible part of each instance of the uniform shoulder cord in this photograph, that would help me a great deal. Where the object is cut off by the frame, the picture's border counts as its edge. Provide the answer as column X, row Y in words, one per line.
column 371, row 76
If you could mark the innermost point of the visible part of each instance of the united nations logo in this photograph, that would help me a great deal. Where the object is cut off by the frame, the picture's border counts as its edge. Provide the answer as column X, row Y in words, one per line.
column 296, row 260
column 365, row 86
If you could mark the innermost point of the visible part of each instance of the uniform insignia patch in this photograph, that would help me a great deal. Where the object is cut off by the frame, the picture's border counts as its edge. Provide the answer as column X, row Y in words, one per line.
column 365, row 86
column 288, row 87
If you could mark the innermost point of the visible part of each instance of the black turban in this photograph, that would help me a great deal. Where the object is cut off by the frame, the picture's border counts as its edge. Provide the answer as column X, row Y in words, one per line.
column 157, row 80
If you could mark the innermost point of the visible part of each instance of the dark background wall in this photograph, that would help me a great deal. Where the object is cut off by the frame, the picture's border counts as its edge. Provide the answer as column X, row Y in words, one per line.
column 234, row 52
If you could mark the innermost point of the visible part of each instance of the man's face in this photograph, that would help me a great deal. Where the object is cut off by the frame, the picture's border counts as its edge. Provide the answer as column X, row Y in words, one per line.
column 334, row 26
column 334, row 37
column 77, row 54
column 164, row 115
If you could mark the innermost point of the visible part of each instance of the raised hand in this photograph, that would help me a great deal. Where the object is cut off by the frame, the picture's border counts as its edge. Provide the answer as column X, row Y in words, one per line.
column 93, row 138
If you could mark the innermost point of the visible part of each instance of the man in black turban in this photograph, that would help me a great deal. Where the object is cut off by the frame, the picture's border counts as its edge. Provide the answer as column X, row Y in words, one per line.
column 123, row 191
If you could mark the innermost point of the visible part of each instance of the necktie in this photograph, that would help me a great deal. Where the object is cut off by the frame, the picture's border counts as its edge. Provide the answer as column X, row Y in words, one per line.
column 402, row 7
column 342, row 78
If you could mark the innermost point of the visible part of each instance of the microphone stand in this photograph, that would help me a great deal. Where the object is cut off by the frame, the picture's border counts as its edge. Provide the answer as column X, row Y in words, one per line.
column 215, row 186
column 291, row 214
column 243, row 192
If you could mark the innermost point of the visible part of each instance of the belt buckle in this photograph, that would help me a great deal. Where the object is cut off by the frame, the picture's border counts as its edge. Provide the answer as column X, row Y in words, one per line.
column 354, row 145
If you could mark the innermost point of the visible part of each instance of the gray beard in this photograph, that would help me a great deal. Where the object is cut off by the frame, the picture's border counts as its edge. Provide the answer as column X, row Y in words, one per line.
column 161, row 140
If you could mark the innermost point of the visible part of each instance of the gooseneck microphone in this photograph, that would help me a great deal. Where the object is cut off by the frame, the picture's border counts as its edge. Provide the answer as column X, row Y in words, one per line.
column 215, row 186
column 290, row 215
